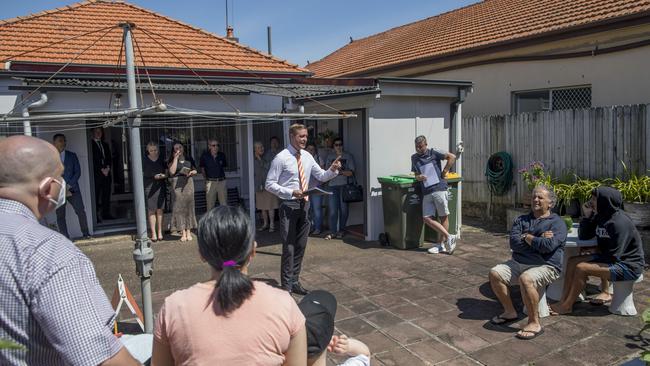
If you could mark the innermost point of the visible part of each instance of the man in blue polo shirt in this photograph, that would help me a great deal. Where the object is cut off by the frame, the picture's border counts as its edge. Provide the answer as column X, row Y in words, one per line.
column 427, row 166
column 212, row 166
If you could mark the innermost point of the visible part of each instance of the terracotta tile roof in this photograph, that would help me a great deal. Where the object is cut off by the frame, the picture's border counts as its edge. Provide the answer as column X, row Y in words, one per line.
column 489, row 22
column 23, row 34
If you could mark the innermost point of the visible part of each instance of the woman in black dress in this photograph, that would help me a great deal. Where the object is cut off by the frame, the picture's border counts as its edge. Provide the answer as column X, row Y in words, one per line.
column 154, row 169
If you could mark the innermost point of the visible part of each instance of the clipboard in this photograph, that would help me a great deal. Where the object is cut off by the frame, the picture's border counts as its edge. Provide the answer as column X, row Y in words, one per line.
column 317, row 191
column 429, row 171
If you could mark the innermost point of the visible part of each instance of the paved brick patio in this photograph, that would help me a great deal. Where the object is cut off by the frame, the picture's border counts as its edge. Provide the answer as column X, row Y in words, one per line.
column 410, row 307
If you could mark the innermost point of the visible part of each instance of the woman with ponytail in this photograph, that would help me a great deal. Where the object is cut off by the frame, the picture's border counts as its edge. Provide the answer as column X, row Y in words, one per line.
column 229, row 320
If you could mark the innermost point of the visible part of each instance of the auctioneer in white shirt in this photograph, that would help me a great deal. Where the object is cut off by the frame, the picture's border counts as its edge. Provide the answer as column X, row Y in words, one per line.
column 283, row 178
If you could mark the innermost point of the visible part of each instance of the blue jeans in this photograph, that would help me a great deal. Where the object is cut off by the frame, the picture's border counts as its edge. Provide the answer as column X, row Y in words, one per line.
column 316, row 212
column 338, row 210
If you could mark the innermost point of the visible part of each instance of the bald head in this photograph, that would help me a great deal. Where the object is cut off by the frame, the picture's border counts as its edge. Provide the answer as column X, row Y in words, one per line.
column 26, row 159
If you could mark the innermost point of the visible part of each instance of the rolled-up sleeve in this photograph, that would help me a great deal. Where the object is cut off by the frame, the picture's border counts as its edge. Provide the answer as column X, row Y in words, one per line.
column 74, row 313
column 321, row 174
column 272, row 178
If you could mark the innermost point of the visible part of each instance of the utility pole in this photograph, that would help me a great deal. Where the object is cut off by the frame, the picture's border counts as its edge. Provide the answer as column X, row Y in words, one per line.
column 142, row 254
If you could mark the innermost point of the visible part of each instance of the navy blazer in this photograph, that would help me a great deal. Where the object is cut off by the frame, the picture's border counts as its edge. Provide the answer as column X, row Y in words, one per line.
column 71, row 171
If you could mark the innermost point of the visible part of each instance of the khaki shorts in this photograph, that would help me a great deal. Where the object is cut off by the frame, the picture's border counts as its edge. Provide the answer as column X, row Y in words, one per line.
column 511, row 270
column 435, row 204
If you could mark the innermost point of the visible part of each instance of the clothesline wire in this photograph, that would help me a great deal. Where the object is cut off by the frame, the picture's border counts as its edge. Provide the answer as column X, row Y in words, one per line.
column 55, row 43
column 189, row 68
column 58, row 71
column 239, row 68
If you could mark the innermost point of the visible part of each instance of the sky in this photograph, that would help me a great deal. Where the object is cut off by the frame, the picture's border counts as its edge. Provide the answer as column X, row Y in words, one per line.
column 302, row 30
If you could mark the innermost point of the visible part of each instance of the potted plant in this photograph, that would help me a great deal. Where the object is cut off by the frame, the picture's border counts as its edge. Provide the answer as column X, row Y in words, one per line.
column 573, row 195
column 533, row 174
column 635, row 189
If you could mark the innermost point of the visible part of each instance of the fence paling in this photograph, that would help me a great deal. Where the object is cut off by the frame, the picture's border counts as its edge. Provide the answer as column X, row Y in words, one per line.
column 589, row 142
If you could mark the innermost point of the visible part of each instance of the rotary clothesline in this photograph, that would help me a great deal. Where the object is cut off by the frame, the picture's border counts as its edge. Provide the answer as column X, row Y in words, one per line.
column 150, row 34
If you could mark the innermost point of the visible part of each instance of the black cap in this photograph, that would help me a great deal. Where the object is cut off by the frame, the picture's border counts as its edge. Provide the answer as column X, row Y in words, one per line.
column 319, row 309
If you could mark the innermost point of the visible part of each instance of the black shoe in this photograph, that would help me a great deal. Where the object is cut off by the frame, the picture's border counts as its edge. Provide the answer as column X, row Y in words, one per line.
column 298, row 289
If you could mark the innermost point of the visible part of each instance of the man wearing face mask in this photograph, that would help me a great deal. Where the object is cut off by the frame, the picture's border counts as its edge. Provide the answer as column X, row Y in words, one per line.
column 51, row 302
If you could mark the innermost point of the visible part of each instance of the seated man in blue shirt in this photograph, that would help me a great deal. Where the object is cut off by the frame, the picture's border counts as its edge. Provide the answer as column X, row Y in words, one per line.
column 537, row 244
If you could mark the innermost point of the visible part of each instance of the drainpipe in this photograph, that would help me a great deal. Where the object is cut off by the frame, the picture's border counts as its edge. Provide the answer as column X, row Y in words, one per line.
column 458, row 138
column 27, row 126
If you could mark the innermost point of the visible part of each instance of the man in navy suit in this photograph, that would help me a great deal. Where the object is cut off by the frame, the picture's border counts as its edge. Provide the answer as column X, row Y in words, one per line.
column 71, row 174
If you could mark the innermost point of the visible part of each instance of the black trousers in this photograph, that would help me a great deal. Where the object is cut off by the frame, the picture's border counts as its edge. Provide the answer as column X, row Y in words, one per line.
column 294, row 229
column 78, row 205
column 103, row 195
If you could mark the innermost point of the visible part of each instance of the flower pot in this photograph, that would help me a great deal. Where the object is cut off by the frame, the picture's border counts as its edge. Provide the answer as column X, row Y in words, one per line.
column 573, row 208
column 639, row 213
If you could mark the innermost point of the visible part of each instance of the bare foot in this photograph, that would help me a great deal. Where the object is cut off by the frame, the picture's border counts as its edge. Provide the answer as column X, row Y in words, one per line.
column 160, row 236
column 556, row 309
column 601, row 298
column 183, row 238
column 529, row 331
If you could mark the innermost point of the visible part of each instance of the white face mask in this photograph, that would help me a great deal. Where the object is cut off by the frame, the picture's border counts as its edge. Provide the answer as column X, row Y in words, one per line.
column 60, row 201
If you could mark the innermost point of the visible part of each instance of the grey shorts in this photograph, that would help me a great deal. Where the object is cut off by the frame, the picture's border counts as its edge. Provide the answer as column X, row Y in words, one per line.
column 511, row 270
column 435, row 204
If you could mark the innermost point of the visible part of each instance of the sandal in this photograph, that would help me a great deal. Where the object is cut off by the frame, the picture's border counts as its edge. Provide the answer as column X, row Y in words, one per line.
column 328, row 237
column 528, row 338
column 499, row 320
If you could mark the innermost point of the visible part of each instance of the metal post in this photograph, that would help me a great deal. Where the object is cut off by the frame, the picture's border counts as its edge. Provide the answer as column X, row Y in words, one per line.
column 459, row 167
column 251, row 171
column 142, row 254
column 268, row 39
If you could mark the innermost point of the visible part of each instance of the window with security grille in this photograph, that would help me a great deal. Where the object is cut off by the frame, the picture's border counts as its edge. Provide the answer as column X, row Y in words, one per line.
column 552, row 99
column 571, row 98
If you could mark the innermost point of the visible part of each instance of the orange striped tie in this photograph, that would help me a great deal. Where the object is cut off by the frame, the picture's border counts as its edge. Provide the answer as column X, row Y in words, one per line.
column 301, row 176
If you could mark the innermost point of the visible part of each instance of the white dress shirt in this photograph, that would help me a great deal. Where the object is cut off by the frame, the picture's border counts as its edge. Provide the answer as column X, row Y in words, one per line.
column 283, row 178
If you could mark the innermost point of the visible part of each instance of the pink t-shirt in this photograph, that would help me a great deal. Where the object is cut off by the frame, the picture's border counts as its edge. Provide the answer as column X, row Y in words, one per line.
column 257, row 333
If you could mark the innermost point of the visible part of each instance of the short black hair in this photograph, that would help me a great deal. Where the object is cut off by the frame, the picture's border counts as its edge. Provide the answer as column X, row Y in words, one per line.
column 57, row 136
column 274, row 138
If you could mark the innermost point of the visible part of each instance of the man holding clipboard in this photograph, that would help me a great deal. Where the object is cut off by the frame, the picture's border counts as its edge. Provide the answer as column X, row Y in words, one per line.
column 288, row 178
column 427, row 165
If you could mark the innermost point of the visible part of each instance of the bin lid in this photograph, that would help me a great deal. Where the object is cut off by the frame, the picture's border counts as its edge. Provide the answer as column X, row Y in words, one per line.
column 397, row 180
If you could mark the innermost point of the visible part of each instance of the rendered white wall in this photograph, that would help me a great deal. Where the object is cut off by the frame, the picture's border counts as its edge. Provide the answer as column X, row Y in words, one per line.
column 392, row 127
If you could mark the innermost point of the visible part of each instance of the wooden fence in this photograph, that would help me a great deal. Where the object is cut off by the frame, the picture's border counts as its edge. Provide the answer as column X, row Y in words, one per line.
column 588, row 142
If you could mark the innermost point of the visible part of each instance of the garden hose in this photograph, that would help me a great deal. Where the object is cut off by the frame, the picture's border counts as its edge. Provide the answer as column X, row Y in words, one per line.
column 499, row 173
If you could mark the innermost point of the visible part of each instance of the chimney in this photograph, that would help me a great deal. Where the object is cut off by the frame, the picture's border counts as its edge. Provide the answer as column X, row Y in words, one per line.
column 230, row 34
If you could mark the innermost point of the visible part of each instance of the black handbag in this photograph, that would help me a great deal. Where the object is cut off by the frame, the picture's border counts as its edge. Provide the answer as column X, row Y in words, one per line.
column 352, row 192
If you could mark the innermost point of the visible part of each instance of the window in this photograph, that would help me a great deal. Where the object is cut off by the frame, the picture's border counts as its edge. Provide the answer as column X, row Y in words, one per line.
column 552, row 99
column 167, row 130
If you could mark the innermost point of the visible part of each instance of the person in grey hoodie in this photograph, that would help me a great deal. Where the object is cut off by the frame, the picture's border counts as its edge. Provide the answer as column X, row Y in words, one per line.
column 620, row 256
column 537, row 244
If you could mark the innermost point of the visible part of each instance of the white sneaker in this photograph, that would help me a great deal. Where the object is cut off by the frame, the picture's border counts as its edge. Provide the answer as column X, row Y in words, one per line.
column 435, row 249
column 451, row 244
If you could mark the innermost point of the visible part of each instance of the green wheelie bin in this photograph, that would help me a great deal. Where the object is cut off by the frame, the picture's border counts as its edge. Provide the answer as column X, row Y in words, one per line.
column 431, row 235
column 402, row 203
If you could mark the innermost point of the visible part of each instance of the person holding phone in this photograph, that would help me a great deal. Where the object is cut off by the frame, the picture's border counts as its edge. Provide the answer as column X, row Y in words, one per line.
column 154, row 174
column 182, row 170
